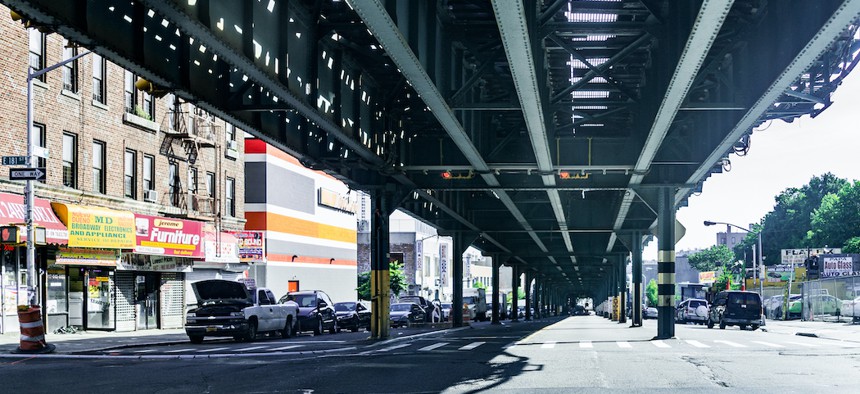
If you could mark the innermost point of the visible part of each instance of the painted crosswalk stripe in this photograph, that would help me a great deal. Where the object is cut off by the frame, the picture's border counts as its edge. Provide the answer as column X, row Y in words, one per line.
column 390, row 348
column 179, row 350
column 624, row 344
column 511, row 345
column 471, row 346
column 802, row 344
column 586, row 345
column 144, row 351
column 431, row 347
column 696, row 343
column 730, row 343
column 214, row 349
column 767, row 344
column 250, row 348
column 660, row 344
column 285, row 347
column 548, row 345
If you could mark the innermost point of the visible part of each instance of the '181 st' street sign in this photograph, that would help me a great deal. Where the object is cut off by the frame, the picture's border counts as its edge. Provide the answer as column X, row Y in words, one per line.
column 27, row 174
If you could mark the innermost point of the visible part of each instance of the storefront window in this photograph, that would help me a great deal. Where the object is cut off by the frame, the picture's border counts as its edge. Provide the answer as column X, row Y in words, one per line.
column 10, row 287
column 99, row 308
column 57, row 301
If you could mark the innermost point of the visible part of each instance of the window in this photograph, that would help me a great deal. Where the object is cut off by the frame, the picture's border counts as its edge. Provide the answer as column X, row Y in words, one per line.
column 210, row 184
column 70, row 69
column 70, row 160
column 130, row 183
column 130, row 92
column 230, row 201
column 99, row 72
column 39, row 139
column 174, row 183
column 99, row 167
column 148, row 170
column 192, row 187
column 37, row 52
column 230, row 134
column 149, row 106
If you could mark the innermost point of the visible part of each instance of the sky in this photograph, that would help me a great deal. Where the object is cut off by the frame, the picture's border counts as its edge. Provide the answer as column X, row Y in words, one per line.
column 781, row 155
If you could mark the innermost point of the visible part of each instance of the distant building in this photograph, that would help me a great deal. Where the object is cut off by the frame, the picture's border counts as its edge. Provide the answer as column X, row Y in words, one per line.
column 729, row 238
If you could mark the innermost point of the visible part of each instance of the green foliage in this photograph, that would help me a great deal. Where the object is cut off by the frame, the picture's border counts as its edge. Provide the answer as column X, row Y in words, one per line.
column 837, row 220
column 521, row 294
column 711, row 258
column 138, row 110
column 479, row 285
column 651, row 292
column 852, row 245
column 396, row 278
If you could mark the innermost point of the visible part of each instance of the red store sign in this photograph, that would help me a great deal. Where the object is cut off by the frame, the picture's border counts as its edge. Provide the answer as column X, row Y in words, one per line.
column 168, row 237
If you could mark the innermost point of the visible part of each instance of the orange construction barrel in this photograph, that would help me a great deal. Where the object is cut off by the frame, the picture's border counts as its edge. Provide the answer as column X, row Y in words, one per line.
column 466, row 316
column 32, row 331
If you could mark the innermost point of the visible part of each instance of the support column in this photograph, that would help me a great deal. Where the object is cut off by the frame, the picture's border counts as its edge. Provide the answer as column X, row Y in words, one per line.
column 666, row 264
column 636, row 261
column 497, row 262
column 461, row 242
column 380, row 288
column 622, row 287
column 529, row 301
column 515, row 288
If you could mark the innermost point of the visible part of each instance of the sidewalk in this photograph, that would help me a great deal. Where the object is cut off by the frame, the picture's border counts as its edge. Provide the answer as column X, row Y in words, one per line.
column 844, row 331
column 86, row 341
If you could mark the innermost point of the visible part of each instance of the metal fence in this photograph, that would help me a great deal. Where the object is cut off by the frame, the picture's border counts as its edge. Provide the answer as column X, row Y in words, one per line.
column 830, row 299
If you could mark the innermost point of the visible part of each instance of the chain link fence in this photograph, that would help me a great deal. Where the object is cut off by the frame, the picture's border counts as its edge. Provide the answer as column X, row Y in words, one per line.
column 829, row 299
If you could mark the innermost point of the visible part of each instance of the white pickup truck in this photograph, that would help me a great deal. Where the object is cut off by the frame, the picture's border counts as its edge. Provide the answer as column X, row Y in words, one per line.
column 226, row 308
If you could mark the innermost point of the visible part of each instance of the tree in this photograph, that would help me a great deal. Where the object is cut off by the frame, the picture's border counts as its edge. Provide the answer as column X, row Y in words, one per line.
column 521, row 294
column 711, row 258
column 852, row 245
column 837, row 219
column 651, row 292
column 396, row 281
column 479, row 285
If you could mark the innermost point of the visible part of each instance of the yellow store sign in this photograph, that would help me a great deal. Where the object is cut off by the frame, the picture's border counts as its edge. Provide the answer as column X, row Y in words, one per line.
column 94, row 227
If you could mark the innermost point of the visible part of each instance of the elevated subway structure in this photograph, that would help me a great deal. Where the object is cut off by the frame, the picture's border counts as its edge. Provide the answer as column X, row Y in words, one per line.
column 553, row 135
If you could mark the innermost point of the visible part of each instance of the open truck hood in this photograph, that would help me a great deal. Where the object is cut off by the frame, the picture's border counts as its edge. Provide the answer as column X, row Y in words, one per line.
column 221, row 290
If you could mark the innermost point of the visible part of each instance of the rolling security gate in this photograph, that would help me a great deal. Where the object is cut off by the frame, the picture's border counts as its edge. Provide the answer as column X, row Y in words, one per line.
column 172, row 299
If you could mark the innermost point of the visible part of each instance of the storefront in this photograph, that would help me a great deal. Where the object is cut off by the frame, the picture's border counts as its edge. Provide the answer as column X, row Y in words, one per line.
column 96, row 238
column 13, row 259
column 220, row 261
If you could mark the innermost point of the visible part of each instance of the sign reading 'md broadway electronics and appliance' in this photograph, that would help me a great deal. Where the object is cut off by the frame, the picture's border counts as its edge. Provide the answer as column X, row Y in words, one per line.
column 168, row 237
column 94, row 227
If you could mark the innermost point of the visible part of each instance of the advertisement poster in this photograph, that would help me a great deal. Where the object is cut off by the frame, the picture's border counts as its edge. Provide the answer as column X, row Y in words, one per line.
column 252, row 245
column 93, row 227
column 168, row 237
column 834, row 266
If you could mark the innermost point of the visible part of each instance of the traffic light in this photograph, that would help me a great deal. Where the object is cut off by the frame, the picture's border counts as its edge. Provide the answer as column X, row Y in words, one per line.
column 811, row 264
column 148, row 87
column 10, row 235
column 28, row 23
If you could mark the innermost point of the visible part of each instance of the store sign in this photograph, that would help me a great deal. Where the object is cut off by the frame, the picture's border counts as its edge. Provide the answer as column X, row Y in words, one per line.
column 144, row 262
column 798, row 256
column 707, row 277
column 335, row 200
column 252, row 245
column 87, row 256
column 93, row 227
column 168, row 237
column 834, row 266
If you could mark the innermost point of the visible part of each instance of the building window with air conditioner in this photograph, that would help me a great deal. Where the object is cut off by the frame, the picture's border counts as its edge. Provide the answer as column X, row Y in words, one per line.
column 149, row 194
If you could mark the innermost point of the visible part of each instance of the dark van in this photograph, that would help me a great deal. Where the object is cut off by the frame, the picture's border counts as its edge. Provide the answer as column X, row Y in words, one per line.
column 736, row 308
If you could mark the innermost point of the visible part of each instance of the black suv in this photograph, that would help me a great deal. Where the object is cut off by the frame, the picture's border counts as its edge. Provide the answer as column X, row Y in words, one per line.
column 736, row 308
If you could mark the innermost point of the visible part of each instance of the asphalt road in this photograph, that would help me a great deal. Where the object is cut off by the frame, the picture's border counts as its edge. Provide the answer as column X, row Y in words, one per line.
column 576, row 354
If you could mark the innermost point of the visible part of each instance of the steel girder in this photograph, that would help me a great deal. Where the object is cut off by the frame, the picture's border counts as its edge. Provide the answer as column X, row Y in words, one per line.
column 554, row 117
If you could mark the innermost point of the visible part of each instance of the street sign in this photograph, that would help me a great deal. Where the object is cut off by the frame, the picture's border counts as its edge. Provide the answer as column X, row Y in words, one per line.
column 14, row 160
column 28, row 174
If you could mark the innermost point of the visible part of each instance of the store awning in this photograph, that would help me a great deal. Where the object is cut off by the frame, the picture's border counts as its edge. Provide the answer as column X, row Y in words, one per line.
column 96, row 227
column 13, row 211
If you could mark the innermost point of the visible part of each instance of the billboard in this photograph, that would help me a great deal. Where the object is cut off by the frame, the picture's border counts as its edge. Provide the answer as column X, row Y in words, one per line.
column 797, row 256
column 833, row 266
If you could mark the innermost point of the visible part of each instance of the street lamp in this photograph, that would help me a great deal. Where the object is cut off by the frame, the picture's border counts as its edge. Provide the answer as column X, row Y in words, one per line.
column 758, row 252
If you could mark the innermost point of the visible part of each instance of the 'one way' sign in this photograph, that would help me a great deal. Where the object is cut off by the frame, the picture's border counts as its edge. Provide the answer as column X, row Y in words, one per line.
column 28, row 174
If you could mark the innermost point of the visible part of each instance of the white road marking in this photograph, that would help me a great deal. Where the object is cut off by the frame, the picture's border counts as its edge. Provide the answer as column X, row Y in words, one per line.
column 179, row 350
column 660, row 344
column 390, row 348
column 803, row 344
column 471, row 346
column 511, row 345
column 285, row 347
column 767, row 344
column 433, row 346
column 144, row 351
column 214, row 349
column 730, row 343
column 586, row 345
column 548, row 345
column 250, row 348
column 624, row 344
column 696, row 343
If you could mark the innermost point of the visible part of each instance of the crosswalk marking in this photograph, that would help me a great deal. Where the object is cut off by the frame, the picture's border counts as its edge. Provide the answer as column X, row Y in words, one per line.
column 660, row 344
column 730, row 343
column 431, row 347
column 390, row 348
column 179, row 350
column 250, row 348
column 767, row 344
column 624, row 344
column 471, row 346
column 214, row 349
column 286, row 347
column 511, row 345
column 548, row 345
column 586, row 345
column 696, row 343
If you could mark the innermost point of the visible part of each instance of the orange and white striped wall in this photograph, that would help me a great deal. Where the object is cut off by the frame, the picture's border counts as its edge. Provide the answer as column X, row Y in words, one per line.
column 310, row 241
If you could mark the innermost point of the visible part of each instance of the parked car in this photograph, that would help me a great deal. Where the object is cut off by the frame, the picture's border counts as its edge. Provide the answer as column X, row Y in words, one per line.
column 227, row 308
column 579, row 310
column 736, row 308
column 775, row 307
column 316, row 311
column 818, row 304
column 851, row 308
column 405, row 313
column 425, row 305
column 692, row 311
column 649, row 312
column 352, row 315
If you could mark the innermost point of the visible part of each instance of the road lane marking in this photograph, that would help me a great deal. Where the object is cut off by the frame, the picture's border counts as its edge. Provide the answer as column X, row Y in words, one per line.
column 586, row 345
column 660, row 344
column 144, row 351
column 803, row 344
column 730, row 343
column 767, row 344
column 285, row 347
column 179, row 350
column 696, row 343
column 471, row 346
column 214, row 349
column 251, row 348
column 390, row 348
column 433, row 346
column 624, row 344
column 548, row 345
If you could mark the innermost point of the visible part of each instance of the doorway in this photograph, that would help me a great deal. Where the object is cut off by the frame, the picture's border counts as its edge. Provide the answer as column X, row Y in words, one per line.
column 146, row 285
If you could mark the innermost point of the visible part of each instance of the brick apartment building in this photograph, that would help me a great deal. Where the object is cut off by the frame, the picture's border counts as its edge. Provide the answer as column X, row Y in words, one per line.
column 169, row 176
